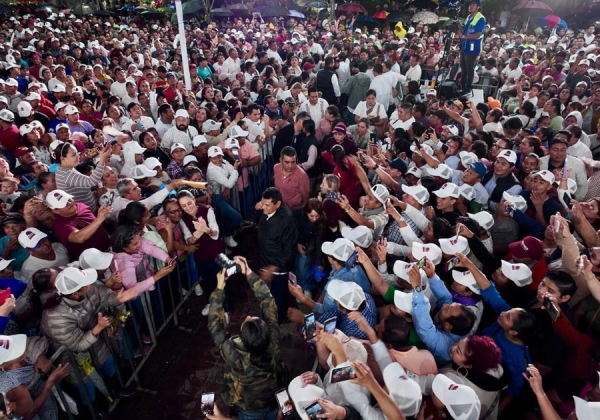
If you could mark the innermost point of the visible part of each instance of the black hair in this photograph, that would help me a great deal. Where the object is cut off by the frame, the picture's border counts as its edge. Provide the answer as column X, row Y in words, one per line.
column 272, row 194
column 395, row 331
column 132, row 214
column 563, row 280
column 309, row 125
column 190, row 171
column 441, row 228
column 471, row 224
column 256, row 338
column 463, row 323
column 122, row 237
column 525, row 325
column 339, row 154
column 288, row 151
column 43, row 177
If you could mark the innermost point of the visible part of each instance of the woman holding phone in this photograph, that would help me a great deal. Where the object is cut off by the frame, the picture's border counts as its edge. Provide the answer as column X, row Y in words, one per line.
column 202, row 223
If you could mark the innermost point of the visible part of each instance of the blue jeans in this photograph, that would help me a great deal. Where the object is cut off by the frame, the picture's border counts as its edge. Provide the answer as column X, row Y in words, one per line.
column 349, row 117
column 265, row 414
column 229, row 218
column 303, row 271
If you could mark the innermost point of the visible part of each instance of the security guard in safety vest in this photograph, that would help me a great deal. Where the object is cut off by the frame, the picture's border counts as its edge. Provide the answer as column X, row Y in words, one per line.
column 471, row 44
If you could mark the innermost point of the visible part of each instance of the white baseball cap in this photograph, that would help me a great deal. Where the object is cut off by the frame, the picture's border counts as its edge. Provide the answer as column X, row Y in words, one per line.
column 182, row 113
column 448, row 190
column 303, row 394
column 210, row 125
column 59, row 88
column 424, row 147
column 57, row 199
column 214, row 151
column 546, row 78
column 176, row 146
column 236, row 131
column 467, row 191
column 24, row 109
column 62, row 125
column 401, row 269
column 152, row 163
column 381, row 193
column 518, row 273
column 586, row 410
column 11, row 82
column 30, row 237
column 60, row 105
column 141, row 171
column 442, row 170
column 545, row 175
column 6, row 115
column 133, row 147
column 452, row 129
column 414, row 171
column 231, row 143
column 460, row 400
column 5, row 263
column 403, row 301
column 584, row 63
column 95, row 259
column 347, row 293
column 33, row 96
column 189, row 159
column 466, row 279
column 451, row 246
column 198, row 140
column 26, row 128
column 509, row 155
column 418, row 192
column 405, row 391
column 517, row 200
column 71, row 110
column 361, row 235
column 72, row 279
column 341, row 249
column 431, row 251
column 467, row 158
column 485, row 219
column 12, row 347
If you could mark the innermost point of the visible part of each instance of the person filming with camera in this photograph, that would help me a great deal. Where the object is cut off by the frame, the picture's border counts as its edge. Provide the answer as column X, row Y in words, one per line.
column 470, row 45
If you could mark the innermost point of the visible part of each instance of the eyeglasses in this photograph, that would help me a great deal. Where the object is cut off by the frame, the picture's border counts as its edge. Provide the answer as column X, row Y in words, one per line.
column 174, row 211
column 497, row 146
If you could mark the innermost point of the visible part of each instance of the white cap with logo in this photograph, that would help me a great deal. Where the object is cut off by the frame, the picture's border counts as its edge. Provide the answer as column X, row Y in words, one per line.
column 72, row 279
column 31, row 237
column 12, row 347
column 518, row 273
column 341, row 249
column 57, row 199
column 361, row 235
column 405, row 391
column 418, row 192
column 95, row 259
column 347, row 293
column 466, row 279
column 451, row 246
column 460, row 400
column 448, row 190
column 431, row 251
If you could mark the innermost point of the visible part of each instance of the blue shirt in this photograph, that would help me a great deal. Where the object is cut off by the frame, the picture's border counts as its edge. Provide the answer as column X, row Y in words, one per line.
column 349, row 327
column 515, row 357
column 19, row 256
column 438, row 342
column 355, row 274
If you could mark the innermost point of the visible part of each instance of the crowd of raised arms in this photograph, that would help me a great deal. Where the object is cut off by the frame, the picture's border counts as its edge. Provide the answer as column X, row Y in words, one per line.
column 438, row 254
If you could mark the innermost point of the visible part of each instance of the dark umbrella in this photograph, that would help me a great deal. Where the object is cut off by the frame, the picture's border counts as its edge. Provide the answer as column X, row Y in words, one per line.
column 317, row 4
column 221, row 11
column 46, row 9
column 398, row 16
column 84, row 9
column 191, row 7
column 532, row 6
column 105, row 13
column 367, row 21
column 351, row 8
column 7, row 10
column 152, row 14
column 273, row 11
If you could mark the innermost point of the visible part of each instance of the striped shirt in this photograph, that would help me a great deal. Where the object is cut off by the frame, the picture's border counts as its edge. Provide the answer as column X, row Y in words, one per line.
column 79, row 185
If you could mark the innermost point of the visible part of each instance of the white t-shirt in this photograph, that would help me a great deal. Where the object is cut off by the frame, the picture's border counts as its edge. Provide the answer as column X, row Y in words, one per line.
column 376, row 111
column 33, row 264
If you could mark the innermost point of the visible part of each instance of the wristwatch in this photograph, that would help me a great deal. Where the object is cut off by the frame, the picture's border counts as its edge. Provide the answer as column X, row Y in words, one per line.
column 418, row 289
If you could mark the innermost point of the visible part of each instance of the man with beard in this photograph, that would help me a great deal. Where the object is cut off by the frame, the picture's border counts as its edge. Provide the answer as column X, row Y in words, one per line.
column 181, row 133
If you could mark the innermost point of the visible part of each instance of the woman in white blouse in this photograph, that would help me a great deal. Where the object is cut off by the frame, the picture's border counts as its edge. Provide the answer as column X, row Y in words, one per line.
column 222, row 177
column 374, row 112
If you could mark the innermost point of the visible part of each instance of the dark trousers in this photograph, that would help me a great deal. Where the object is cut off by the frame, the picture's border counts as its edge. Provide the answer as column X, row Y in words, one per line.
column 467, row 68
column 281, row 294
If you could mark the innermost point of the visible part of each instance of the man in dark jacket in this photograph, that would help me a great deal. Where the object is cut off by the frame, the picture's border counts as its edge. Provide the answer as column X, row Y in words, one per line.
column 277, row 239
column 327, row 82
column 288, row 133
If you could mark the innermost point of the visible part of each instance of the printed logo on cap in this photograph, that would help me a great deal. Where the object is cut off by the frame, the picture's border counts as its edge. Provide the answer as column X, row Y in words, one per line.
column 29, row 234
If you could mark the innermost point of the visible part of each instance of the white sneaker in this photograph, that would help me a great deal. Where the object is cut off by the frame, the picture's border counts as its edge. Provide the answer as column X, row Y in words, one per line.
column 198, row 289
column 206, row 309
column 230, row 242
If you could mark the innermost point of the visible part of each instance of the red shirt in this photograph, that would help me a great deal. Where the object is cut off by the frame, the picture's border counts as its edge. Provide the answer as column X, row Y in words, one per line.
column 294, row 188
column 9, row 138
column 63, row 227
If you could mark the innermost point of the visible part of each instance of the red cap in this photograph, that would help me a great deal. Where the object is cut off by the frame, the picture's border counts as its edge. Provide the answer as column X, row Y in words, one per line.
column 529, row 247
column 308, row 66
column 21, row 151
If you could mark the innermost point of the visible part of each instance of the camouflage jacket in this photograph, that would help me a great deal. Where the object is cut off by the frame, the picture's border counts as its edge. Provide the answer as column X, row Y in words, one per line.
column 248, row 387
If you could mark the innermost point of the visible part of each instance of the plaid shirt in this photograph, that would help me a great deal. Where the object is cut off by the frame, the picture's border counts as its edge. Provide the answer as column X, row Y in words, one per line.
column 349, row 327
column 175, row 170
column 394, row 234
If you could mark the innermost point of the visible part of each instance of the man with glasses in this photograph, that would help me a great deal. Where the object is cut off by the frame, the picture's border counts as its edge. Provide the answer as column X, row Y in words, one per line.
column 500, row 145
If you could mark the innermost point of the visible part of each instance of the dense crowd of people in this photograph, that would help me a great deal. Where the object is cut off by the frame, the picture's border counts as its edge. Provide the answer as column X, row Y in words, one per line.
column 438, row 255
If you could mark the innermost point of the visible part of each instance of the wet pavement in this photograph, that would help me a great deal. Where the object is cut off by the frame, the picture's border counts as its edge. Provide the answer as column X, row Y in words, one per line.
column 185, row 363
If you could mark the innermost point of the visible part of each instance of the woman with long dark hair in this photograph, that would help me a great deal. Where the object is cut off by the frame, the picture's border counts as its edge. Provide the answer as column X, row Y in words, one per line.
column 310, row 223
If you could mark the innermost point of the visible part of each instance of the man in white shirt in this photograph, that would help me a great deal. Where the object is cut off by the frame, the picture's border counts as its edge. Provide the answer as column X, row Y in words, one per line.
column 119, row 86
column 315, row 106
column 402, row 118
column 231, row 66
column 165, row 119
column 314, row 48
column 272, row 52
column 343, row 71
column 381, row 85
column 414, row 71
column 576, row 147
column 137, row 122
column 42, row 253
column 511, row 74
column 180, row 133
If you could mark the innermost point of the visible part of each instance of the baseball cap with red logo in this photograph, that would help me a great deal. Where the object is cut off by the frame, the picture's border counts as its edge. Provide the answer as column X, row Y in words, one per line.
column 57, row 199
column 431, row 251
column 31, row 237
column 12, row 347
column 520, row 274
column 451, row 246
column 528, row 247
column 460, row 400
column 72, row 279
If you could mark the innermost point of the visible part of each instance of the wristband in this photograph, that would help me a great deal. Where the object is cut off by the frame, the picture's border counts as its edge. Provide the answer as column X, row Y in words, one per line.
column 376, row 167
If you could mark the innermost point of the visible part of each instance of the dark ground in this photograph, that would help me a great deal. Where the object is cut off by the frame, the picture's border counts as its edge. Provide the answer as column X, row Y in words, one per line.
column 185, row 363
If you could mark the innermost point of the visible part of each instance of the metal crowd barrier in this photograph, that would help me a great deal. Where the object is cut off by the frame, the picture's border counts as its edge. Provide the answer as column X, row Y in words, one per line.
column 159, row 310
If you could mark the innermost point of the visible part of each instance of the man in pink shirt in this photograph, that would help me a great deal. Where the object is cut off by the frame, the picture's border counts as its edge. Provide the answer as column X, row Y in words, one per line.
column 291, row 179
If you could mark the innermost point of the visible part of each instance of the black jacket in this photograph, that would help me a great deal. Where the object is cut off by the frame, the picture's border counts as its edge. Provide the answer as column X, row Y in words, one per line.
column 285, row 137
column 278, row 239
